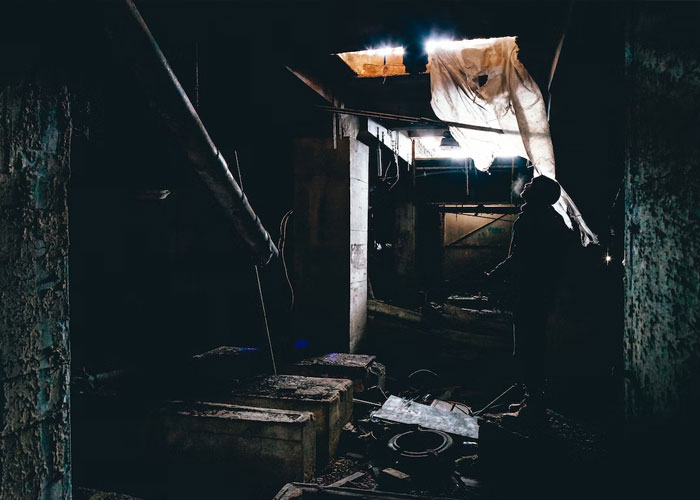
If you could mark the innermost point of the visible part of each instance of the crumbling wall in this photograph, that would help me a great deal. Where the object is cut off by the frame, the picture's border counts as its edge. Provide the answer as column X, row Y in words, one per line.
column 35, row 130
column 662, row 256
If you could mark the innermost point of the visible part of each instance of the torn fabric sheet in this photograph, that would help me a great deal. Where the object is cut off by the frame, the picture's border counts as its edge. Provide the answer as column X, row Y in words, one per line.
column 482, row 82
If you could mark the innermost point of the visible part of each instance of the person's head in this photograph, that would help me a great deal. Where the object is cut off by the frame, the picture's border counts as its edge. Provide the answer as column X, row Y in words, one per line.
column 541, row 191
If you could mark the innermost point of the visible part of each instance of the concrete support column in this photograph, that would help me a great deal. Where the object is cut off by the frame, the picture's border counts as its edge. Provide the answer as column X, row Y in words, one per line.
column 330, row 239
column 359, row 206
column 662, row 243
column 35, row 131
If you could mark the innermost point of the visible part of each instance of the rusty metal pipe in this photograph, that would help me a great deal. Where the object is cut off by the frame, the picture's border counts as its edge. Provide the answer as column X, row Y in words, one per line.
column 134, row 43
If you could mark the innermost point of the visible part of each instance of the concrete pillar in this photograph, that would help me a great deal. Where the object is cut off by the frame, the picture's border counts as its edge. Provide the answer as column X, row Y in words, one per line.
column 35, row 131
column 330, row 239
column 359, row 206
column 662, row 243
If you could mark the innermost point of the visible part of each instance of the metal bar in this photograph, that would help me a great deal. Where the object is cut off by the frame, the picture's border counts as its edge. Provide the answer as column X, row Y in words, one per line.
column 462, row 238
column 413, row 119
column 135, row 44
column 313, row 84
column 479, row 209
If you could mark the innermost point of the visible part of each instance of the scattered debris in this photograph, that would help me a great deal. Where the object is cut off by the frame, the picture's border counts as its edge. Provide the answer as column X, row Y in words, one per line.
column 452, row 406
column 466, row 465
column 348, row 479
column 478, row 301
column 90, row 494
column 299, row 491
column 404, row 411
column 394, row 479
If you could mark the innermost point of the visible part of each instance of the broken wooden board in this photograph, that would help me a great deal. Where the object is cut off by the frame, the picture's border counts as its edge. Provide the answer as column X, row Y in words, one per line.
column 395, row 329
column 348, row 479
column 404, row 411
column 480, row 323
column 363, row 370
column 300, row 491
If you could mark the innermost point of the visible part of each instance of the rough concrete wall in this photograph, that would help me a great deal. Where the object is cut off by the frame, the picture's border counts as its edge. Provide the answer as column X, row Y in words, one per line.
column 662, row 292
column 35, row 128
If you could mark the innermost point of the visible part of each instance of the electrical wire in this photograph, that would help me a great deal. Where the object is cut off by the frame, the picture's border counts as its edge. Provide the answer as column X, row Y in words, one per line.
column 257, row 277
column 395, row 147
column 281, row 244
column 495, row 400
column 459, row 405
column 267, row 327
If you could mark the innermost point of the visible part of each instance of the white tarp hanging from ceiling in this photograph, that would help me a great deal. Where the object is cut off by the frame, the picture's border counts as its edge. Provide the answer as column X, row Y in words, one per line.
column 482, row 82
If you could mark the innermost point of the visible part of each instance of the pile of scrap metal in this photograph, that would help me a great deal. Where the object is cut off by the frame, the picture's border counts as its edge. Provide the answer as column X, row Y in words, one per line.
column 407, row 443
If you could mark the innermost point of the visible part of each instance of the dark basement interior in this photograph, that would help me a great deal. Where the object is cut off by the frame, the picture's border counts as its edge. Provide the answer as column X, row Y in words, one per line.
column 250, row 249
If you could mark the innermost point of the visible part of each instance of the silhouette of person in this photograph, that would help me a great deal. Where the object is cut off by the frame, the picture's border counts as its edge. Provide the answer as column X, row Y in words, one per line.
column 535, row 263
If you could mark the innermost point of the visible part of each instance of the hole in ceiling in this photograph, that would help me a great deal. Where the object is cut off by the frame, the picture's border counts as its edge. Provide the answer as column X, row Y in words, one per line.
column 372, row 63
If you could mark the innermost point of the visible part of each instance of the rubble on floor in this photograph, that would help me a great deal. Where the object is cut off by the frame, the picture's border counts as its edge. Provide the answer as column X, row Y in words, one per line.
column 311, row 491
column 477, row 301
column 90, row 494
column 415, row 437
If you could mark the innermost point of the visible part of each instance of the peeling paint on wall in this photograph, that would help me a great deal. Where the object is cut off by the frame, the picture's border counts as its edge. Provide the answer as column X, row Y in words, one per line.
column 35, row 131
column 662, row 290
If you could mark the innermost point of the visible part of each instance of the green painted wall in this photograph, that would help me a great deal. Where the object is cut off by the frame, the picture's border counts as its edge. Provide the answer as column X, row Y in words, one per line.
column 35, row 132
column 662, row 254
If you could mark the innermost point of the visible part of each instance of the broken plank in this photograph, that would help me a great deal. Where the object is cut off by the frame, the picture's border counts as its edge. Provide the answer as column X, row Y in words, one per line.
column 348, row 479
column 300, row 491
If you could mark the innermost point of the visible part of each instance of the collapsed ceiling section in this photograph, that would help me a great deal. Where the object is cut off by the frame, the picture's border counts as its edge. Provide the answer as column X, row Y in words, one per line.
column 489, row 105
column 373, row 63
column 430, row 142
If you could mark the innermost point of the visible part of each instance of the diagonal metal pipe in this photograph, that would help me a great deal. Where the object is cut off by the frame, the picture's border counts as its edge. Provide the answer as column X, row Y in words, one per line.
column 135, row 44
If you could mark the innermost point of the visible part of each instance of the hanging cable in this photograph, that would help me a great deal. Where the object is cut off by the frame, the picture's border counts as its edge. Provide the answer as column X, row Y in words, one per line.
column 257, row 277
column 267, row 327
column 281, row 245
column 495, row 400
column 395, row 147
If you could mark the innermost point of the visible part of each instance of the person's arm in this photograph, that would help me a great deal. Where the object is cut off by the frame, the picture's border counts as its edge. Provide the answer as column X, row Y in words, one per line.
column 505, row 268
